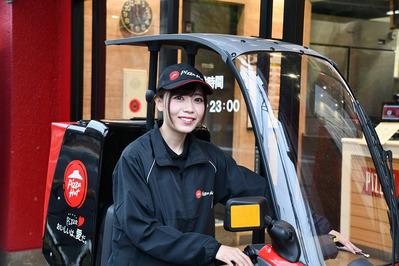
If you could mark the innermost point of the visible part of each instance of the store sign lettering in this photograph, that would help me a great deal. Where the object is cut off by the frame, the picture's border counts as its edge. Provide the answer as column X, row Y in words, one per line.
column 372, row 185
column 216, row 82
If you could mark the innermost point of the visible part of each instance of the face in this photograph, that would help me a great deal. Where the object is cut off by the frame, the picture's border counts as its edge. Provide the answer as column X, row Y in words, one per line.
column 185, row 111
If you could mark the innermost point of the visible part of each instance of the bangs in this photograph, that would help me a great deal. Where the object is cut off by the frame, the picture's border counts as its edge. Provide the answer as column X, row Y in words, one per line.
column 188, row 90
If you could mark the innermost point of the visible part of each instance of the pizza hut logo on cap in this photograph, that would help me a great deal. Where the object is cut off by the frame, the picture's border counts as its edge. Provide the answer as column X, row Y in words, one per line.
column 75, row 184
column 191, row 74
column 174, row 75
column 198, row 194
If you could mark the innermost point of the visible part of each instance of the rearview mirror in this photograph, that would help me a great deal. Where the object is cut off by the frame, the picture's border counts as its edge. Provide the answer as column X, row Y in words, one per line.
column 245, row 214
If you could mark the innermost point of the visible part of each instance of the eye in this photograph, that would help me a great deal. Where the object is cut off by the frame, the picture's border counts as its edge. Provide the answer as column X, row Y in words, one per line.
column 178, row 97
column 198, row 99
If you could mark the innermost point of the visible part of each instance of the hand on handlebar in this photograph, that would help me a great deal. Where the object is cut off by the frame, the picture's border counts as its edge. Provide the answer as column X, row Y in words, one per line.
column 233, row 256
column 347, row 245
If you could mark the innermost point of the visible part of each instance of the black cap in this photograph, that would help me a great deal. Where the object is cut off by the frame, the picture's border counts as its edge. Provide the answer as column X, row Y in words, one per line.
column 175, row 76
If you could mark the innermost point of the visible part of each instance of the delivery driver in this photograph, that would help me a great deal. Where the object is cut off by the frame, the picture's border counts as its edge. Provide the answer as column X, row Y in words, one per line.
column 167, row 182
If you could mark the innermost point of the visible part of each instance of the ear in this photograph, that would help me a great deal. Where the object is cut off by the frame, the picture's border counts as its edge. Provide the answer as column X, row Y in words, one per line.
column 159, row 103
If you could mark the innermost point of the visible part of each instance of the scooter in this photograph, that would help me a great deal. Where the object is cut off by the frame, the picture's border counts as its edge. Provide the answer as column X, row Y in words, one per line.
column 292, row 99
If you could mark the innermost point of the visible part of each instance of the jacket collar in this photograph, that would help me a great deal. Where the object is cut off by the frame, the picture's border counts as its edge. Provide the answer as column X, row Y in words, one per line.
column 195, row 154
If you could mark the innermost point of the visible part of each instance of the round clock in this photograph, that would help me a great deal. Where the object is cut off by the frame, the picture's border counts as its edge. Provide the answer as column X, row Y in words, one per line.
column 136, row 16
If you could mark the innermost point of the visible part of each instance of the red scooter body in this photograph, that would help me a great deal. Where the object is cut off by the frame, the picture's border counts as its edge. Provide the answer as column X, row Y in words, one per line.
column 271, row 257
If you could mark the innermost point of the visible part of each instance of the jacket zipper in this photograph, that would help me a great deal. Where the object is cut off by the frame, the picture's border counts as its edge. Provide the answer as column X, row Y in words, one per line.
column 183, row 182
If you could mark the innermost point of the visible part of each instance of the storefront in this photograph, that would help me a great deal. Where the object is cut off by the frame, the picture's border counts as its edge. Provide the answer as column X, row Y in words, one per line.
column 119, row 90
column 58, row 69
column 239, row 17
column 363, row 40
column 110, row 82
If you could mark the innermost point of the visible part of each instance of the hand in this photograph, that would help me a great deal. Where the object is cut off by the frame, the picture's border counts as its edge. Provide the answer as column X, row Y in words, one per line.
column 347, row 245
column 233, row 256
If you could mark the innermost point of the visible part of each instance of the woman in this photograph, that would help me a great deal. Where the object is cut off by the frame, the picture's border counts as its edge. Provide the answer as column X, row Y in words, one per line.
column 167, row 182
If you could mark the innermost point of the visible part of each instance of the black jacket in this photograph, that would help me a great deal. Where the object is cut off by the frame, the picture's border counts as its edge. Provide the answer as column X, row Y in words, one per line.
column 163, row 214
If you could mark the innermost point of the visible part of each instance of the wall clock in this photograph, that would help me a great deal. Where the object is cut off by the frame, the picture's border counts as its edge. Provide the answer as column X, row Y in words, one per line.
column 136, row 16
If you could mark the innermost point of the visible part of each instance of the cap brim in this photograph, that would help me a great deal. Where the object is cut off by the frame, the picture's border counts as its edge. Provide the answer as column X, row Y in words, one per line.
column 207, row 89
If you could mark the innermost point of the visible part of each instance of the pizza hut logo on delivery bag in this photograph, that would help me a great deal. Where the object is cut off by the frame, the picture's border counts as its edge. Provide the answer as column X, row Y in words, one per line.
column 75, row 184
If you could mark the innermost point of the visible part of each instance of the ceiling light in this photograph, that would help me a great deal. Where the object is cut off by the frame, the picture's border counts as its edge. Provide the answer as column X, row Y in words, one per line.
column 391, row 12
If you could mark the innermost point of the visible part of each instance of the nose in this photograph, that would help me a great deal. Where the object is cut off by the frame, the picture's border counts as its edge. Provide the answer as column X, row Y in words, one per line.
column 189, row 106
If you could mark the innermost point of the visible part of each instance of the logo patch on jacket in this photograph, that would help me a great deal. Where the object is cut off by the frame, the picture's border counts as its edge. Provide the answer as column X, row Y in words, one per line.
column 199, row 193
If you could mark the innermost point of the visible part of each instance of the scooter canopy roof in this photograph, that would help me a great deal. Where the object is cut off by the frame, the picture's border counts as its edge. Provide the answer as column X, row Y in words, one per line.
column 225, row 45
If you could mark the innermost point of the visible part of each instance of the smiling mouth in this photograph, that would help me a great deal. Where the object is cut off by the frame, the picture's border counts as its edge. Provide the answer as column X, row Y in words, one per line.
column 187, row 120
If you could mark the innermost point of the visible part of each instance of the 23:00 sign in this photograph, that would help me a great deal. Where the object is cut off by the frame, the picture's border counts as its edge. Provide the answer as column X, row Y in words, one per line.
column 217, row 106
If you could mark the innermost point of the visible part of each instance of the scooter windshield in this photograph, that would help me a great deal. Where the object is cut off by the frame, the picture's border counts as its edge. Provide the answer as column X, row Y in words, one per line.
column 322, row 173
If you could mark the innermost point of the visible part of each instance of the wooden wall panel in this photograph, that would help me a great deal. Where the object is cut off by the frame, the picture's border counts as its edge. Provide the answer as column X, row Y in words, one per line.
column 278, row 18
column 119, row 57
column 369, row 224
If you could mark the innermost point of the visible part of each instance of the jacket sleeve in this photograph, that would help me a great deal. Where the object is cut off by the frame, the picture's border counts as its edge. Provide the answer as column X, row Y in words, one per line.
column 321, row 223
column 233, row 180
column 135, row 214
